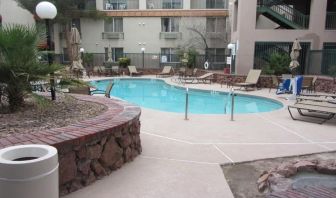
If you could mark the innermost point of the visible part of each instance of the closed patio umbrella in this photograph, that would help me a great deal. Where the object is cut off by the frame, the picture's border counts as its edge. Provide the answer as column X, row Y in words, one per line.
column 295, row 53
column 75, row 42
column 109, row 55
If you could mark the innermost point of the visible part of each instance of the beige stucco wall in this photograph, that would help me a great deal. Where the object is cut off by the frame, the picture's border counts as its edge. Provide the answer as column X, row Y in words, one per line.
column 13, row 14
column 247, row 34
column 139, row 32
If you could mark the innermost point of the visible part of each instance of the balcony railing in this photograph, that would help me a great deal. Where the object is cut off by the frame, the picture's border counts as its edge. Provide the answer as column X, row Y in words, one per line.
column 120, row 4
column 331, row 21
column 112, row 35
column 170, row 35
column 209, row 4
column 164, row 4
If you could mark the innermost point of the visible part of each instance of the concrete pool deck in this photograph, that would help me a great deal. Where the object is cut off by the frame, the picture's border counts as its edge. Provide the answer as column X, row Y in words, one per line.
column 182, row 158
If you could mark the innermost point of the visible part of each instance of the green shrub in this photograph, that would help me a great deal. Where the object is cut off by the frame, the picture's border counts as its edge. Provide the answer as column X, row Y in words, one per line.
column 188, row 57
column 124, row 62
column 278, row 64
column 19, row 63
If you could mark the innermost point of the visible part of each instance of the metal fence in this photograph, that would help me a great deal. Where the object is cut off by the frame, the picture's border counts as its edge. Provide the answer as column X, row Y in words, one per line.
column 331, row 21
column 321, row 62
column 152, row 60
column 264, row 50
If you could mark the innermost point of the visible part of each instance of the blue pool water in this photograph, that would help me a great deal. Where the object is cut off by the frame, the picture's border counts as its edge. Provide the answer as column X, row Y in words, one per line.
column 156, row 94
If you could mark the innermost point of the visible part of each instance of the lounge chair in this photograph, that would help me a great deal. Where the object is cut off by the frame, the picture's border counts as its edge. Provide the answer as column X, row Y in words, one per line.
column 166, row 71
column 251, row 79
column 321, row 110
column 321, row 95
column 208, row 77
column 106, row 92
column 133, row 71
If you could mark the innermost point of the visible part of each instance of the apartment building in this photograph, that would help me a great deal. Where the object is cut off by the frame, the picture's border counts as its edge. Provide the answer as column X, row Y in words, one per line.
column 155, row 26
column 262, row 27
column 11, row 13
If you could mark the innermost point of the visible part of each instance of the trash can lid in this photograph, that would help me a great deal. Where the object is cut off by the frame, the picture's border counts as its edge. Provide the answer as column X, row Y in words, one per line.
column 27, row 161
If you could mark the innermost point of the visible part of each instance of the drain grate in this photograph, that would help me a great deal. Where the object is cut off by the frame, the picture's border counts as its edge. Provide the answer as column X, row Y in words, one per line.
column 307, row 192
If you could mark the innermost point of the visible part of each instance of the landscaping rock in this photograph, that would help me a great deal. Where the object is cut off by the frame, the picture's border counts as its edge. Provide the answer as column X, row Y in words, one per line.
column 305, row 165
column 125, row 140
column 94, row 152
column 98, row 169
column 84, row 167
column 287, row 170
column 67, row 168
column 326, row 167
column 111, row 153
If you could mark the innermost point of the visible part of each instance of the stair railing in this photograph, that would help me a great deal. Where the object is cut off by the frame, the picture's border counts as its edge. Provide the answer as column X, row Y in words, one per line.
column 286, row 11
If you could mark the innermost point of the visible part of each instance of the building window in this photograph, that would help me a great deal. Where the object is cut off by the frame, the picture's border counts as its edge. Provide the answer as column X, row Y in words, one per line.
column 220, row 4
column 115, row 4
column 170, row 24
column 216, row 55
column 116, row 53
column 214, row 24
column 113, row 25
column 171, row 4
column 169, row 55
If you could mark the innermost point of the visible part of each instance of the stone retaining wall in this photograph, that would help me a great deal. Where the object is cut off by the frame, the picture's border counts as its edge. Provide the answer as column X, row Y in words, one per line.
column 90, row 149
column 323, row 83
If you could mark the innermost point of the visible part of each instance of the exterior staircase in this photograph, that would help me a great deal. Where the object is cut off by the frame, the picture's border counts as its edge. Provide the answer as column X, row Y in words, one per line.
column 283, row 14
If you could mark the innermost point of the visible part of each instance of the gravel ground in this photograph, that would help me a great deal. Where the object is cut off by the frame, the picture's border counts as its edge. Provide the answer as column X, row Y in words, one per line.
column 242, row 177
column 36, row 116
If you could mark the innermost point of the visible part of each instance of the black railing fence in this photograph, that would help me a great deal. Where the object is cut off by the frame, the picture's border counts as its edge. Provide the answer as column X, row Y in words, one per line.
column 264, row 50
column 150, row 60
column 322, row 62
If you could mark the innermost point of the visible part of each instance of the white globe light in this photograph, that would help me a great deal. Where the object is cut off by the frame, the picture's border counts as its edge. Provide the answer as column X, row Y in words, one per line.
column 81, row 50
column 46, row 10
column 143, row 49
column 231, row 46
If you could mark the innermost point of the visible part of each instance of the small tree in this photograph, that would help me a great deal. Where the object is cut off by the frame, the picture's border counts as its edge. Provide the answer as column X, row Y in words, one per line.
column 19, row 63
column 188, row 57
column 278, row 64
column 124, row 62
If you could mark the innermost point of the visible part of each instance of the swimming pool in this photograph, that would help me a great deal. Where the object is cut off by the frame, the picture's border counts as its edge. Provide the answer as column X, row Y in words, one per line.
column 156, row 94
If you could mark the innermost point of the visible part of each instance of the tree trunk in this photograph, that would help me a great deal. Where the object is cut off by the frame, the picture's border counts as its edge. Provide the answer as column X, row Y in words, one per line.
column 15, row 93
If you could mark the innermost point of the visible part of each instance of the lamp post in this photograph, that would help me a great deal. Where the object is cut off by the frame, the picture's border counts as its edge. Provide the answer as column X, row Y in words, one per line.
column 46, row 10
column 143, row 56
column 232, row 48
column 81, row 50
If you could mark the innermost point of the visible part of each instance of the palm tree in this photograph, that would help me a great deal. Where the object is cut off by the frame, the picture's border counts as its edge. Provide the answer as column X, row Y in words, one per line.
column 19, row 63
column 67, row 10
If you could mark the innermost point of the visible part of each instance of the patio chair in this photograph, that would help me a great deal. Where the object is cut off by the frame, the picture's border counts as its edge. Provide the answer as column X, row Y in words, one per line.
column 307, row 83
column 166, row 71
column 133, row 71
column 275, row 83
column 251, row 79
column 115, row 70
column 322, row 110
column 99, row 70
column 106, row 92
